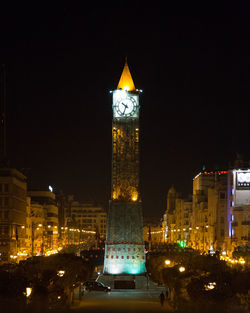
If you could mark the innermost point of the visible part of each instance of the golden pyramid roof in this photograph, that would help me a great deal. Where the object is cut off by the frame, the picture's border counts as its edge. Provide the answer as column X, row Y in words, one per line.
column 126, row 80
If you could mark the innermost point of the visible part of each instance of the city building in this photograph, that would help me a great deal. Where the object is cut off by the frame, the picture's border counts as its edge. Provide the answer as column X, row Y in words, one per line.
column 217, row 218
column 238, row 202
column 90, row 219
column 153, row 231
column 44, row 221
column 178, row 217
column 209, row 211
column 12, row 213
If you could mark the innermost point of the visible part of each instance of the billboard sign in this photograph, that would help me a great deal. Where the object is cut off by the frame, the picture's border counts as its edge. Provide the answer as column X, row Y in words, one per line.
column 243, row 179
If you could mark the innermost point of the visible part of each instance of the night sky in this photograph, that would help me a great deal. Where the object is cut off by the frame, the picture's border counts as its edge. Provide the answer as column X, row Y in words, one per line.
column 192, row 62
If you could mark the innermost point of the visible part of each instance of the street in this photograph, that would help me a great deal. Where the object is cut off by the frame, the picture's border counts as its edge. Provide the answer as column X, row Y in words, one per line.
column 122, row 301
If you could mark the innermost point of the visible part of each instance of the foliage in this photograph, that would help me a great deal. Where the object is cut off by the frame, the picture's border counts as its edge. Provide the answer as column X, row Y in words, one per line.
column 190, row 288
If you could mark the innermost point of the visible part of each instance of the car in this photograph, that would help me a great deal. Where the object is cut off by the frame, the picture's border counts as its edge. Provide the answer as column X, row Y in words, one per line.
column 95, row 286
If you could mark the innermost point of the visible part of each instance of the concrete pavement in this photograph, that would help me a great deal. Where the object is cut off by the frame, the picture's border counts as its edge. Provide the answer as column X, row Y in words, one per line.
column 122, row 301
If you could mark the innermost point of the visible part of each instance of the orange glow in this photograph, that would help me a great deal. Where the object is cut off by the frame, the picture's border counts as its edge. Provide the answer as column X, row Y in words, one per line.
column 126, row 80
column 135, row 196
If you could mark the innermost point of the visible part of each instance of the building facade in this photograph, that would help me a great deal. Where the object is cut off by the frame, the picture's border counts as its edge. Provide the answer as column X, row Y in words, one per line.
column 238, row 202
column 44, row 221
column 13, row 189
column 217, row 218
column 90, row 219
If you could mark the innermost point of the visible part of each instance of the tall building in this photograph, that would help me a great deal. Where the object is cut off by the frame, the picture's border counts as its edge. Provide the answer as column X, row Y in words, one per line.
column 13, row 189
column 178, row 217
column 43, row 202
column 124, row 249
column 89, row 219
column 238, row 202
column 209, row 210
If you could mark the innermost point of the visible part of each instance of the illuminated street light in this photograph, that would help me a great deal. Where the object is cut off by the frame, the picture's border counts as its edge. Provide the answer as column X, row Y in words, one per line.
column 28, row 291
column 182, row 269
column 167, row 262
column 210, row 286
column 60, row 273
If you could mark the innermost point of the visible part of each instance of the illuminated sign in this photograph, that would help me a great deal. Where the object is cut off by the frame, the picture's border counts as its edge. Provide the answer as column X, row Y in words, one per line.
column 243, row 180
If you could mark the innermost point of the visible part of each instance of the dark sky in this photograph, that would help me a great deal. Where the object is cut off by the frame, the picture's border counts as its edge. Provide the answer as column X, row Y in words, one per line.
column 192, row 62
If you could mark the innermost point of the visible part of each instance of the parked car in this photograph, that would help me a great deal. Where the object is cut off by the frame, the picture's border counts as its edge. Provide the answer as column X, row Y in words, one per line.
column 95, row 286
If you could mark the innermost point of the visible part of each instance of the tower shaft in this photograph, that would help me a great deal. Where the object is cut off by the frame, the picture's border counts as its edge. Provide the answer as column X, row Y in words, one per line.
column 125, row 163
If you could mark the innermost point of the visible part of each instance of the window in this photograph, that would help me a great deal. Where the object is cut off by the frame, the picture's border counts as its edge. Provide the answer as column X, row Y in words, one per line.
column 6, row 214
column 122, row 257
column 6, row 188
column 222, row 195
column 117, row 256
column 107, row 256
column 112, row 256
column 222, row 219
column 127, row 256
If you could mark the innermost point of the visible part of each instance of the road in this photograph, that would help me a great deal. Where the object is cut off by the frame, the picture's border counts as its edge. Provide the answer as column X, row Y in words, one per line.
column 121, row 301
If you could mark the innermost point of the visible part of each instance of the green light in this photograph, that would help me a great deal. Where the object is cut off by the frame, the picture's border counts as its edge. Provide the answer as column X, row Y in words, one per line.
column 182, row 243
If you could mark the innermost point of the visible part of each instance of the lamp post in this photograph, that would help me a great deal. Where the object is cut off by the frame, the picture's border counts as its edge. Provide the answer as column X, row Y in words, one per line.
column 35, row 226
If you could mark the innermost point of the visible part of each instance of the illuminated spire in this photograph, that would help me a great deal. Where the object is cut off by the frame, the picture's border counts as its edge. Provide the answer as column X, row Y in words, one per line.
column 126, row 80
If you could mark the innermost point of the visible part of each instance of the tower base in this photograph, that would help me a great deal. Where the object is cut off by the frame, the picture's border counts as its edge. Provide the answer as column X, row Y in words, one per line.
column 126, row 281
column 124, row 248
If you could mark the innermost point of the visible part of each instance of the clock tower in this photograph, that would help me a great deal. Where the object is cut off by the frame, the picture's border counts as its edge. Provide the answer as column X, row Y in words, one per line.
column 124, row 249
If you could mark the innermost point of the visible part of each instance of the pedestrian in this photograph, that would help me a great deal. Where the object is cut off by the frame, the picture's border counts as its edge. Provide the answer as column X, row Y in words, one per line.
column 167, row 293
column 162, row 298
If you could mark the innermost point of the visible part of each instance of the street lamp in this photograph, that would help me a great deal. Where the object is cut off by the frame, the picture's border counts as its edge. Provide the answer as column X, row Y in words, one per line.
column 167, row 262
column 182, row 269
column 60, row 273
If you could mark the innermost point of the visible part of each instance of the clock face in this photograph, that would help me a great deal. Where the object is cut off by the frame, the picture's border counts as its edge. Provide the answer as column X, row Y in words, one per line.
column 126, row 106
